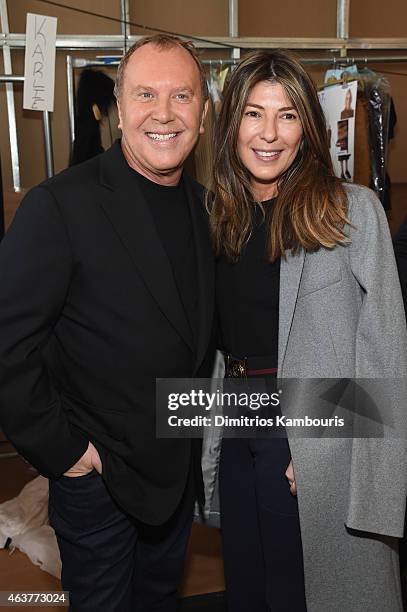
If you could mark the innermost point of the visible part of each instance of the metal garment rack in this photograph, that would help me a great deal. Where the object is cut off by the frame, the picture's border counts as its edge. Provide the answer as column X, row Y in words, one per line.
column 6, row 78
column 340, row 45
column 74, row 63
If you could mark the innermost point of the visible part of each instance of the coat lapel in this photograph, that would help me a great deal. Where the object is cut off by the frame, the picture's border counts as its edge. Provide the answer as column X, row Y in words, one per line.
column 290, row 277
column 132, row 220
column 205, row 265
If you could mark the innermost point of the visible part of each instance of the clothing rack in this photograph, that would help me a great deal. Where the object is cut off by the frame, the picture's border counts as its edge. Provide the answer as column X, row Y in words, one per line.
column 340, row 45
column 7, row 78
column 334, row 60
column 74, row 63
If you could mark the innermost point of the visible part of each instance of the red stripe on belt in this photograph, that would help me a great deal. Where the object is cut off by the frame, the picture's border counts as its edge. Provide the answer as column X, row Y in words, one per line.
column 260, row 372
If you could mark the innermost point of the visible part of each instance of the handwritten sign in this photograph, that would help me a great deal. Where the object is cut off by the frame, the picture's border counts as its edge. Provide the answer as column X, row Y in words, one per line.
column 39, row 70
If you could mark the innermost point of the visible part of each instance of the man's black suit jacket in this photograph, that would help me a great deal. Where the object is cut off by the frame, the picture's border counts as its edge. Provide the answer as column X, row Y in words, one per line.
column 89, row 316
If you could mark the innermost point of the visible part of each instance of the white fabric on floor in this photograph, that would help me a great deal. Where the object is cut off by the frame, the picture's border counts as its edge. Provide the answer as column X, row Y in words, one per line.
column 24, row 519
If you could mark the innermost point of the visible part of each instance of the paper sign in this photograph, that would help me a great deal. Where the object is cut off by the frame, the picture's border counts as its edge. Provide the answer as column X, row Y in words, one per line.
column 339, row 105
column 39, row 70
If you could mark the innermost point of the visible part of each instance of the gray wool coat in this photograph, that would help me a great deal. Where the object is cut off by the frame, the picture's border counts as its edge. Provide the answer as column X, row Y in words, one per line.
column 341, row 315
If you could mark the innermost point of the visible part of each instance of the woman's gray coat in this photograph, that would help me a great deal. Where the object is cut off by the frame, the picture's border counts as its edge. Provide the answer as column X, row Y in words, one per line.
column 341, row 315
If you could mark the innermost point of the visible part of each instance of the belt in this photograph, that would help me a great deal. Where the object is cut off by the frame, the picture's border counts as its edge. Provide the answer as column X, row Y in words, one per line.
column 248, row 366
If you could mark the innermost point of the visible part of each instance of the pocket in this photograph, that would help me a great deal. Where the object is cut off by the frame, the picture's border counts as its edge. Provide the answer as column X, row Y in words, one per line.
column 94, row 420
column 318, row 283
column 83, row 476
column 77, row 503
column 271, row 459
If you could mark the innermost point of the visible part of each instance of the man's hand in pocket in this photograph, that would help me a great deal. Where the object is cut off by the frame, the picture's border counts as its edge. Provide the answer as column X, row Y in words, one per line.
column 89, row 461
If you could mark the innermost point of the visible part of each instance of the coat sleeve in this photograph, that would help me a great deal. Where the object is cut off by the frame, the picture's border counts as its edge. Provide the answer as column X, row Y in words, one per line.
column 35, row 269
column 378, row 479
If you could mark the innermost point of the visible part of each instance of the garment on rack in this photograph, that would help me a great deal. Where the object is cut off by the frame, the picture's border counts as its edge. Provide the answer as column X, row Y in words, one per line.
column 216, row 83
column 94, row 100
column 203, row 153
column 372, row 128
column 377, row 94
column 362, row 149
column 387, row 184
column 200, row 162
column 338, row 103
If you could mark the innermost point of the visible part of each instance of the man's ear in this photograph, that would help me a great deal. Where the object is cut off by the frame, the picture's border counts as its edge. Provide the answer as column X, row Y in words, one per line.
column 204, row 112
column 120, row 114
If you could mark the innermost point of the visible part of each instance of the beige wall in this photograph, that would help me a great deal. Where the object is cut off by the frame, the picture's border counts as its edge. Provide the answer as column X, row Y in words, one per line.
column 69, row 22
column 295, row 18
column 196, row 17
column 314, row 18
column 378, row 18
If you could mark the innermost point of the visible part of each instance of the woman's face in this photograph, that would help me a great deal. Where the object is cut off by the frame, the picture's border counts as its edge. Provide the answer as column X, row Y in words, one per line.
column 269, row 137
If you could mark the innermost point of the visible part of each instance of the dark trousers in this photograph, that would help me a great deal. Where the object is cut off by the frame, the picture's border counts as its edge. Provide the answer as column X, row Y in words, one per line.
column 110, row 561
column 260, row 528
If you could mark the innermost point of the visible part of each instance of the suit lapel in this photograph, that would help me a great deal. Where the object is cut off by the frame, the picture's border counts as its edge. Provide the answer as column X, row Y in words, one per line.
column 128, row 212
column 205, row 265
column 290, row 277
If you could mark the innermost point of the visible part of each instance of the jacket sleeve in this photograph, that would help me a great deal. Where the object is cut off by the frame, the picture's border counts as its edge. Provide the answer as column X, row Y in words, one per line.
column 35, row 269
column 378, row 479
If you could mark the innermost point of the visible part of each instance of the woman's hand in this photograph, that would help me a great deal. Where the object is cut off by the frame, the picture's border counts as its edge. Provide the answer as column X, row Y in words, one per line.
column 291, row 478
column 89, row 461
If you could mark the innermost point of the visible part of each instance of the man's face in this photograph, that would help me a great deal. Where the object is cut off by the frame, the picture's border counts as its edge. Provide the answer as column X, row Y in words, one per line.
column 161, row 111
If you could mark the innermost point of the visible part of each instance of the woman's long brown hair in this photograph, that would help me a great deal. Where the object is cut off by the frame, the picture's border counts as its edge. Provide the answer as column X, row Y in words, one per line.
column 311, row 205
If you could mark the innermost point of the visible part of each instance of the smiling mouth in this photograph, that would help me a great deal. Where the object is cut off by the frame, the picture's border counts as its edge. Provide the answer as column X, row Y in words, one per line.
column 267, row 155
column 162, row 137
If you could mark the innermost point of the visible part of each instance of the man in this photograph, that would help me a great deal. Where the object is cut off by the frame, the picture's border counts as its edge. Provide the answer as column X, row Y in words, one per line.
column 106, row 282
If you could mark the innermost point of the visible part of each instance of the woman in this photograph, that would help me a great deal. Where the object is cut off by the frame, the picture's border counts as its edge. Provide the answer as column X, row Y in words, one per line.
column 307, row 285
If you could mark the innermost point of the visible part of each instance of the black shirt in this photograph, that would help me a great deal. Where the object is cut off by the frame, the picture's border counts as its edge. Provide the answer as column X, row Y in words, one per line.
column 172, row 218
column 248, row 296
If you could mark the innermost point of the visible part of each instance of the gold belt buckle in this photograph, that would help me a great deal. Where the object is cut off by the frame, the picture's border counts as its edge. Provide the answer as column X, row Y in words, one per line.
column 236, row 368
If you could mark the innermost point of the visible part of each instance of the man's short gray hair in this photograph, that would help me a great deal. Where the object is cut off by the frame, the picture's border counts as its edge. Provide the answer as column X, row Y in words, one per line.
column 162, row 41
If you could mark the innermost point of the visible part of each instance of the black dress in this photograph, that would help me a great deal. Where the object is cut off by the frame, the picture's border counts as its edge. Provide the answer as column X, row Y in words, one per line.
column 260, row 524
